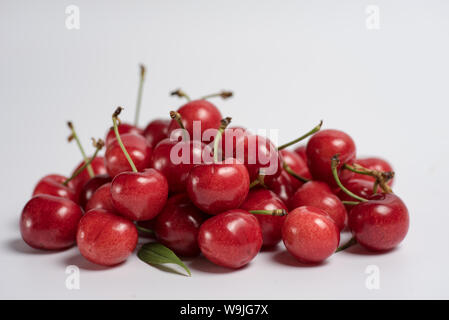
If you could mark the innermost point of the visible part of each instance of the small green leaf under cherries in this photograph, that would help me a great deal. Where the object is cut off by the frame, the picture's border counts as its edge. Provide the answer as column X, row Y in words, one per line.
column 157, row 254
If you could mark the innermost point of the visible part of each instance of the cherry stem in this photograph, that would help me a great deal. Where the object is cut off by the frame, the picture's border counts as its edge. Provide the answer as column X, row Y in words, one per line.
column 223, row 124
column 119, row 140
column 223, row 94
column 74, row 135
column 348, row 244
column 144, row 230
column 334, row 164
column 254, row 183
column 177, row 117
column 98, row 145
column 351, row 203
column 314, row 130
column 139, row 94
column 382, row 177
column 181, row 94
column 275, row 212
column 294, row 174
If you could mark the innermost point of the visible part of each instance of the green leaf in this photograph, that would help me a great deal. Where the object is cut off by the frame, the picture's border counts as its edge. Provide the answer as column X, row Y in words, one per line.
column 157, row 254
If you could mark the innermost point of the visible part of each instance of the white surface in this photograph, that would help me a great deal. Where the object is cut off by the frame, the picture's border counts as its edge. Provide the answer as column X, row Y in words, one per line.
column 290, row 64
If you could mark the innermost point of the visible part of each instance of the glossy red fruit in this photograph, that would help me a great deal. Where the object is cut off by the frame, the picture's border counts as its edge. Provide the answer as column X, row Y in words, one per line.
column 177, row 226
column 156, row 131
column 186, row 155
column 53, row 185
column 139, row 195
column 198, row 110
column 282, row 186
column 361, row 187
column 310, row 235
column 318, row 194
column 50, row 222
column 271, row 226
column 91, row 186
column 381, row 223
column 123, row 128
column 301, row 151
column 105, row 238
column 102, row 199
column 297, row 165
column 138, row 149
column 218, row 187
column 322, row 146
column 228, row 141
column 80, row 180
column 377, row 164
column 231, row 239
column 258, row 153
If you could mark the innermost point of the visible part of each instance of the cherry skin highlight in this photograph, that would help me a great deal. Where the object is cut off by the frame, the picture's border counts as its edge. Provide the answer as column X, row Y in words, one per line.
column 318, row 194
column 282, row 186
column 105, row 238
column 198, row 110
column 377, row 164
column 381, row 223
column 189, row 154
column 218, row 187
column 102, row 199
column 138, row 149
column 177, row 226
column 48, row 222
column 310, row 235
column 271, row 226
column 156, row 131
column 90, row 187
column 322, row 146
column 231, row 239
column 53, row 185
column 123, row 128
column 139, row 196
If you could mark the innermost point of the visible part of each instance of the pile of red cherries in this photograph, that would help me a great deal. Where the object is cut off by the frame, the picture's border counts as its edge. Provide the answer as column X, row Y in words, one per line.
column 221, row 203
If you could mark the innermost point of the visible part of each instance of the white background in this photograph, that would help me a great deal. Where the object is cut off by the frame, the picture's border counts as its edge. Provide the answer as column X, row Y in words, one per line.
column 290, row 64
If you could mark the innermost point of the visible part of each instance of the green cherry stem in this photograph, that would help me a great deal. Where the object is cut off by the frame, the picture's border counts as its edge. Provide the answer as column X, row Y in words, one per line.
column 348, row 244
column 139, row 94
column 181, row 94
column 382, row 177
column 223, row 124
column 74, row 136
column 275, row 212
column 98, row 145
column 177, row 117
column 144, row 230
column 351, row 203
column 294, row 174
column 334, row 164
column 223, row 94
column 314, row 130
column 119, row 140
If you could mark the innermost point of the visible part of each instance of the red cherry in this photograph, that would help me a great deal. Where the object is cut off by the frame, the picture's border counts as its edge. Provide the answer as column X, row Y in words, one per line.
column 361, row 187
column 123, row 128
column 322, row 147
column 231, row 239
column 318, row 194
column 301, row 151
column 271, row 226
column 377, row 164
column 310, row 235
column 198, row 110
column 229, row 141
column 53, row 185
column 139, row 195
column 282, row 186
column 178, row 224
column 138, row 149
column 91, row 186
column 218, row 187
column 156, row 131
column 297, row 165
column 102, row 199
column 105, row 238
column 50, row 222
column 80, row 180
column 189, row 153
column 258, row 153
column 381, row 223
